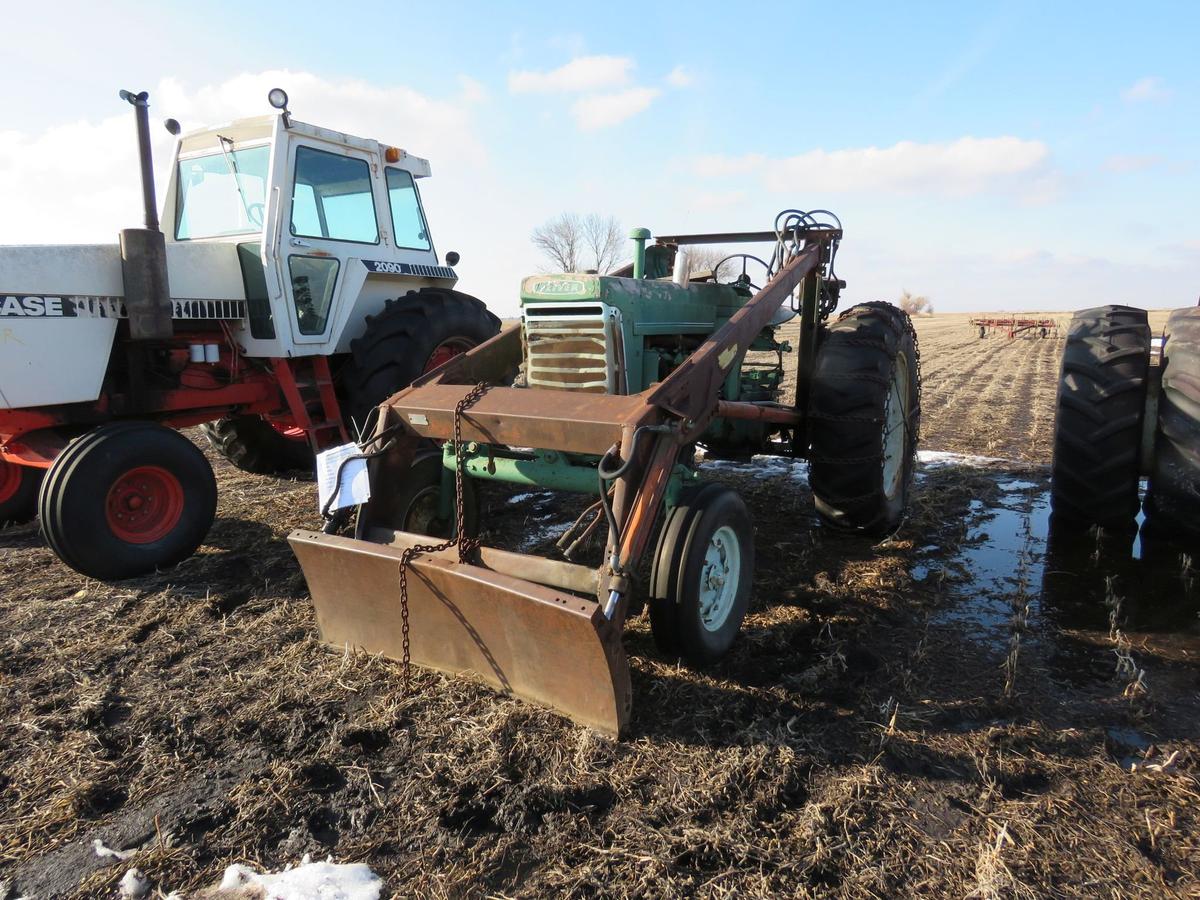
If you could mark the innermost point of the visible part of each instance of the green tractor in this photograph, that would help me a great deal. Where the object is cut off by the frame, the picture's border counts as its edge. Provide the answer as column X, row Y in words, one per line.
column 621, row 386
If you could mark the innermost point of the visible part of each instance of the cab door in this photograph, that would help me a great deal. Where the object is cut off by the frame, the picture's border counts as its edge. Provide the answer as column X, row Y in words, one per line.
column 331, row 219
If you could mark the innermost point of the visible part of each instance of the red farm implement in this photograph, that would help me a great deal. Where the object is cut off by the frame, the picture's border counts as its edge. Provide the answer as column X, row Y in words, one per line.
column 1014, row 325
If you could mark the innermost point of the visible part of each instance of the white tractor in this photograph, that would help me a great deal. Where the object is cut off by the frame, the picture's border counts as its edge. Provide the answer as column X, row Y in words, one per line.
column 293, row 288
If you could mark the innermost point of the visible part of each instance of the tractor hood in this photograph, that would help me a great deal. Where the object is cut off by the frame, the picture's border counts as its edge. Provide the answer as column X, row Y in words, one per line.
column 60, row 305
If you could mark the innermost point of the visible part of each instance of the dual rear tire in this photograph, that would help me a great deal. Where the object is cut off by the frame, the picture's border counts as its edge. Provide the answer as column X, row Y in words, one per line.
column 126, row 499
column 1102, row 436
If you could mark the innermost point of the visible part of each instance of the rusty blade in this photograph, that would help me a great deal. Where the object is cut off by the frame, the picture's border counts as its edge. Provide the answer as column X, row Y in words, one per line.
column 538, row 643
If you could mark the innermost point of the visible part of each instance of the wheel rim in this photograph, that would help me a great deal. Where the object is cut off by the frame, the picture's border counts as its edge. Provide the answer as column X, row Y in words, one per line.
column 144, row 505
column 445, row 351
column 290, row 431
column 10, row 480
column 422, row 515
column 720, row 577
column 895, row 437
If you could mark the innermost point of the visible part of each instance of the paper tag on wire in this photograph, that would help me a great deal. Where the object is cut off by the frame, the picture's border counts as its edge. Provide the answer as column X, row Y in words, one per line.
column 352, row 488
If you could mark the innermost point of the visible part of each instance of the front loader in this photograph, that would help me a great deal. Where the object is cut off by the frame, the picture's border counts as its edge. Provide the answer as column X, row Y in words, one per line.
column 611, row 386
column 291, row 286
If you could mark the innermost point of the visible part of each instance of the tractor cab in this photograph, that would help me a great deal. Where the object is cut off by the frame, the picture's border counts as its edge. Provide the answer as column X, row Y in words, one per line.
column 317, row 224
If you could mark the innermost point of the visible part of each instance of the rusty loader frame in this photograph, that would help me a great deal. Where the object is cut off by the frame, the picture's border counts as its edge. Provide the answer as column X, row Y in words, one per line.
column 545, row 630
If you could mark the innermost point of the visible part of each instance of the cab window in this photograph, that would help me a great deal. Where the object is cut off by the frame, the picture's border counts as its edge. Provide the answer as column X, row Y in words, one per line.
column 408, row 222
column 332, row 198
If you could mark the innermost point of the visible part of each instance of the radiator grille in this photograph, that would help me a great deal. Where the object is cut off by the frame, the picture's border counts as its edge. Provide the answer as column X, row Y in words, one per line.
column 572, row 353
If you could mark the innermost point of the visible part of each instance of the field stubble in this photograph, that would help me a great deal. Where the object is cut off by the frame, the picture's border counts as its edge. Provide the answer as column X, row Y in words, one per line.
column 862, row 739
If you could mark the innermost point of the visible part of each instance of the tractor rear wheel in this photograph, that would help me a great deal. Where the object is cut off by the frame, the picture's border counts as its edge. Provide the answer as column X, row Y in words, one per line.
column 127, row 498
column 1098, row 425
column 865, row 415
column 18, row 492
column 408, row 337
column 1173, row 500
column 702, row 573
column 255, row 445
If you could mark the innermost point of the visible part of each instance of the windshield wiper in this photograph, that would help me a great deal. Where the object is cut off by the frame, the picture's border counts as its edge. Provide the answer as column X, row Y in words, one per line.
column 225, row 144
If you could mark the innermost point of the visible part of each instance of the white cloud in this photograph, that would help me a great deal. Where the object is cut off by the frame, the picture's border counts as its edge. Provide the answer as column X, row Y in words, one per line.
column 1122, row 163
column 583, row 73
column 680, row 77
column 718, row 166
column 78, row 181
column 965, row 166
column 717, row 199
column 1148, row 88
column 472, row 91
column 604, row 110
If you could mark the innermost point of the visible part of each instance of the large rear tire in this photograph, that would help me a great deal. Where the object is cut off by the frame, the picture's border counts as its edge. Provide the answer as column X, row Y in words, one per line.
column 1173, row 501
column 254, row 445
column 409, row 337
column 702, row 575
column 18, row 492
column 127, row 498
column 1098, row 425
column 865, row 416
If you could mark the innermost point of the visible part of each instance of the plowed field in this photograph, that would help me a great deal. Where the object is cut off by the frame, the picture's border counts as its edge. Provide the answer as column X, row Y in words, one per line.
column 970, row 708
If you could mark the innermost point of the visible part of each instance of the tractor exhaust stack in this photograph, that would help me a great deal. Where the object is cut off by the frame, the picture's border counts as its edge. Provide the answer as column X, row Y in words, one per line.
column 144, row 250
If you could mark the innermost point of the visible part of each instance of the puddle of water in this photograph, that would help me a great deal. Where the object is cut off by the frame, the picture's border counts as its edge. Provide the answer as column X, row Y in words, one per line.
column 1071, row 581
column 1002, row 554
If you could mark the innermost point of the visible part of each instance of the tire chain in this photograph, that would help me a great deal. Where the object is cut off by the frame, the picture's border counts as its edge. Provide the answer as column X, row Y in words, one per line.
column 466, row 545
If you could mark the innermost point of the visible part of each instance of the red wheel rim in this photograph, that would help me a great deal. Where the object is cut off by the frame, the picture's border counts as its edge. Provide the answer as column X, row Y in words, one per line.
column 290, row 431
column 144, row 505
column 445, row 351
column 10, row 479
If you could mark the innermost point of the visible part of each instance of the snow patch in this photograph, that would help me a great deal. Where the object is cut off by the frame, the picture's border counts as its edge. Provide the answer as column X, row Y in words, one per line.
column 309, row 881
column 521, row 498
column 936, row 459
column 1012, row 486
column 134, row 885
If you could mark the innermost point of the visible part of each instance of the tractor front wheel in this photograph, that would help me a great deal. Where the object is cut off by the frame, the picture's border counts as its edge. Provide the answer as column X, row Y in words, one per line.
column 127, row 498
column 865, row 414
column 702, row 573
column 417, row 505
column 18, row 492
column 255, row 445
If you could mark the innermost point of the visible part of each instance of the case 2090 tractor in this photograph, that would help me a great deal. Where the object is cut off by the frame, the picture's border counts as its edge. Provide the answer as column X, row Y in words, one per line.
column 607, row 387
column 293, row 288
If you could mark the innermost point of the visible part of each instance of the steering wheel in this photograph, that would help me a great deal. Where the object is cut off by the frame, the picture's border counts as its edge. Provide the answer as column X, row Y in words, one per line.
column 255, row 211
column 743, row 277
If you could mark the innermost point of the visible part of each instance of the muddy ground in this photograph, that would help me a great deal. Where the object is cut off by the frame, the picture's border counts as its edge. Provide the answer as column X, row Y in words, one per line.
column 973, row 707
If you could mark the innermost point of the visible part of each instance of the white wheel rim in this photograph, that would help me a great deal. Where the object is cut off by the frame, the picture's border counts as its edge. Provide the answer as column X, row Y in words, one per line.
column 895, row 437
column 719, row 577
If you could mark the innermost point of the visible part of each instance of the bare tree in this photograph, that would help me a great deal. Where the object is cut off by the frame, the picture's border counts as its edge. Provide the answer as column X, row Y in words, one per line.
column 572, row 243
column 560, row 239
column 604, row 242
column 915, row 304
column 705, row 258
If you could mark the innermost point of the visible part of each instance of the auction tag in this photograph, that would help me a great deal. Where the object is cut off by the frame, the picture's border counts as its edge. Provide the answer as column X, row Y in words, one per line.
column 354, row 487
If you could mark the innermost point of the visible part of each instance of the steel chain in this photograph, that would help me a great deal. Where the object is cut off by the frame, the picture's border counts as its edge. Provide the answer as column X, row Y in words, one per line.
column 466, row 545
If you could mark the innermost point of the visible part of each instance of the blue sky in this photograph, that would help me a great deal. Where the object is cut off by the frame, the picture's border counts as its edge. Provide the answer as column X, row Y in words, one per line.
column 991, row 156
